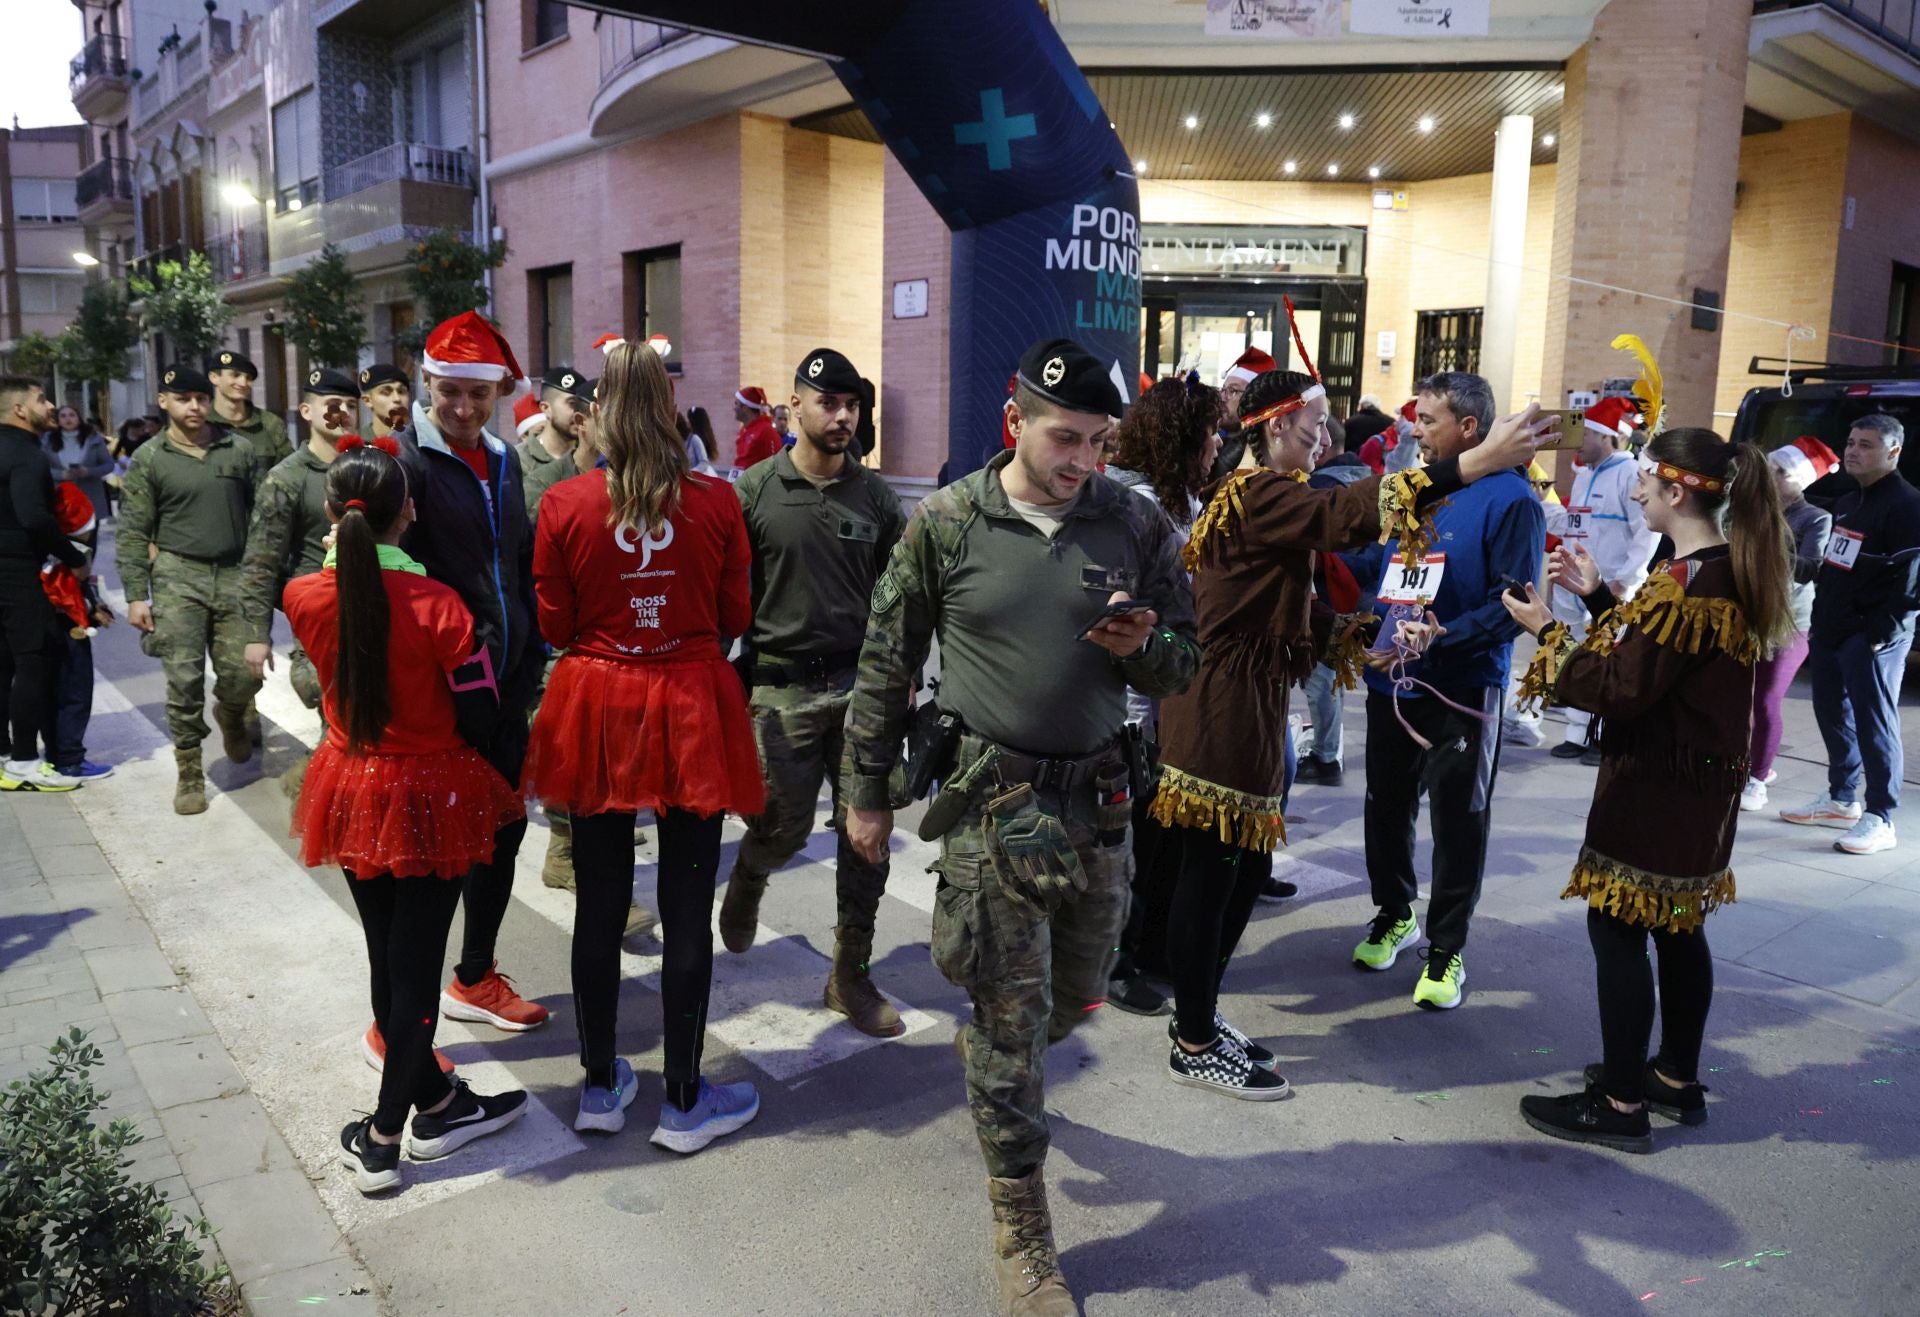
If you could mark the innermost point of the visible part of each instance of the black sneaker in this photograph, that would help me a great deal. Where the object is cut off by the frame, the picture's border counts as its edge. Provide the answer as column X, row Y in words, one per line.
column 1136, row 997
column 1321, row 772
column 1686, row 1104
column 376, row 1166
column 1587, row 1117
column 1590, row 757
column 1224, row 1068
column 467, row 1117
column 1278, row 889
column 1257, row 1054
column 1568, row 750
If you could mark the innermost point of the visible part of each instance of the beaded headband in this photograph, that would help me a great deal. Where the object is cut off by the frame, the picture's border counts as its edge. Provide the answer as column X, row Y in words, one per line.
column 1679, row 475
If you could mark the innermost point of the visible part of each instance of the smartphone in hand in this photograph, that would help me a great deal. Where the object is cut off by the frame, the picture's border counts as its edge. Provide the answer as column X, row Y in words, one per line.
column 1111, row 611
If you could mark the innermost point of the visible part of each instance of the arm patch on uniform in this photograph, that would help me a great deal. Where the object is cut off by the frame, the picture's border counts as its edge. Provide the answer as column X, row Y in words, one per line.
column 886, row 593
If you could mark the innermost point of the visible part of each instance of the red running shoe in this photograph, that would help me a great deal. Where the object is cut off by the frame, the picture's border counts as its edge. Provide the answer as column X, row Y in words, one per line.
column 492, row 1001
column 374, row 1048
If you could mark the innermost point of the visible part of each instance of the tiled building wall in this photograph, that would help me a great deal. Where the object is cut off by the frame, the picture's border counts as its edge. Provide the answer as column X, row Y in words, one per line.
column 356, row 92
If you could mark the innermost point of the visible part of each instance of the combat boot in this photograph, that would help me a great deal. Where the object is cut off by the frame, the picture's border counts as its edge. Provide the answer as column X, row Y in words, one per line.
column 236, row 731
column 558, row 869
column 294, row 777
column 640, row 921
column 190, row 793
column 1024, row 1261
column 740, row 911
column 850, row 988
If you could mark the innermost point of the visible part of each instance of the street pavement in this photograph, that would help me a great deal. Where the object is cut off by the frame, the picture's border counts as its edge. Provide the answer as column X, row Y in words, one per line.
column 1398, row 1178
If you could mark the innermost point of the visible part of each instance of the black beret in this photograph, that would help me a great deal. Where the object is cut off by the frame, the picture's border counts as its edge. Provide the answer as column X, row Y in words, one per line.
column 184, row 379
column 828, row 371
column 1067, row 375
column 229, row 360
column 329, row 383
column 565, row 379
column 381, row 372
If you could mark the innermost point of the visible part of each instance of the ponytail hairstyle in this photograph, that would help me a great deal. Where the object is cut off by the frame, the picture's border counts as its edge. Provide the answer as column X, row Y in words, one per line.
column 1164, row 437
column 1269, row 388
column 646, row 459
column 366, row 490
column 1731, row 484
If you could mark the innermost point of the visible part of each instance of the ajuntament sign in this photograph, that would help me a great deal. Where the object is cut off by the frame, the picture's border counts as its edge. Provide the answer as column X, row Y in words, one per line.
column 1226, row 251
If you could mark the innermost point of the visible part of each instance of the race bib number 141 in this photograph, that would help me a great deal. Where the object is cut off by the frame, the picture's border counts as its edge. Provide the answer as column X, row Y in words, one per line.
column 1413, row 583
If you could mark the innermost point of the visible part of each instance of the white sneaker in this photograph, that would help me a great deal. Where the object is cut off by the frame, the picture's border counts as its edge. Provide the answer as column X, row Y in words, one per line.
column 1824, row 812
column 26, row 775
column 1753, row 796
column 1869, row 836
column 1525, row 734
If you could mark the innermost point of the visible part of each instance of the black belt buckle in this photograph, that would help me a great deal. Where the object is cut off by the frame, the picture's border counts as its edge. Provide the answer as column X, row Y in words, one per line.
column 1053, row 775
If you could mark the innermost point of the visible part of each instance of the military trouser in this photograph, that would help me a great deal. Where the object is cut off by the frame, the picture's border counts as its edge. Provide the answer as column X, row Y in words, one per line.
column 1032, row 977
column 801, row 734
column 197, row 613
column 302, row 676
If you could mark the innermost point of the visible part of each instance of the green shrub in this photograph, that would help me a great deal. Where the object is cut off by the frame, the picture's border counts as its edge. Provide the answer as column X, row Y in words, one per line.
column 75, row 1235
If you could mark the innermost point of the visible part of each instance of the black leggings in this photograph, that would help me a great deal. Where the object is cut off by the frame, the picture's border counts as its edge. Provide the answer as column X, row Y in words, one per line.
column 603, row 893
column 406, row 922
column 1626, row 1002
column 1212, row 902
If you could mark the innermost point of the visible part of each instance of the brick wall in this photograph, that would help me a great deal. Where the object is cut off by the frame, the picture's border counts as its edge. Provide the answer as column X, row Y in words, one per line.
column 913, row 403
column 1786, row 233
column 1882, row 171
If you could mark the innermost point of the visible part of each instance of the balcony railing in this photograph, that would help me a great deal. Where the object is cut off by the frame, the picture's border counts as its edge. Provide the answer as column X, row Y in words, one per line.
column 1896, row 22
column 420, row 163
column 624, row 40
column 241, row 254
column 103, row 57
column 104, row 180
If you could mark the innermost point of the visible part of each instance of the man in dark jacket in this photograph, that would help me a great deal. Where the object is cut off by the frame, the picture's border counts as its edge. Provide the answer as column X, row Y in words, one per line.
column 1863, row 609
column 471, row 532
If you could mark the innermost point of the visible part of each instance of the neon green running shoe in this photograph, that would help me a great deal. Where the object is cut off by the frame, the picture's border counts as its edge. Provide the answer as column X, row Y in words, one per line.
column 1386, row 938
column 1438, row 989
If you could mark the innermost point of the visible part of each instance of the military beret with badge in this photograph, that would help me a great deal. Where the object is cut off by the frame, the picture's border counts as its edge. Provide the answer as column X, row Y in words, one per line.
column 226, row 359
column 1067, row 375
column 565, row 379
column 184, row 379
column 325, row 383
column 828, row 371
column 381, row 372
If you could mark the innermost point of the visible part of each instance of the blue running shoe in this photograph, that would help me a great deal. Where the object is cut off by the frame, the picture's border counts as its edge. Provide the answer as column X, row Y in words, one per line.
column 605, row 1109
column 721, row 1109
column 85, row 770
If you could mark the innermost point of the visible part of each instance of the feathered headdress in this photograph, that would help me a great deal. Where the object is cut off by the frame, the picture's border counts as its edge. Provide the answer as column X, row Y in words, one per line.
column 1649, row 388
column 1306, row 360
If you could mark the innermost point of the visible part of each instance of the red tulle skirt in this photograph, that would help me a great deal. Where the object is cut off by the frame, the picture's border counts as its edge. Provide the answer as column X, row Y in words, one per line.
column 624, row 737
column 407, row 815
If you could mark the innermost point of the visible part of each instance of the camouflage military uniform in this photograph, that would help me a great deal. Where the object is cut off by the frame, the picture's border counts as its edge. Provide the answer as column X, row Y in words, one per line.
column 194, row 511
column 541, row 471
column 265, row 431
column 1008, row 602
column 817, row 551
column 285, row 539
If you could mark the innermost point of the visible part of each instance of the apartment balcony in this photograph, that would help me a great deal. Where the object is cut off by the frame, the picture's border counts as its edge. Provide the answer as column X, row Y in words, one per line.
column 380, row 18
column 376, row 207
column 658, row 78
column 1810, row 59
column 98, row 80
column 239, row 255
column 104, row 191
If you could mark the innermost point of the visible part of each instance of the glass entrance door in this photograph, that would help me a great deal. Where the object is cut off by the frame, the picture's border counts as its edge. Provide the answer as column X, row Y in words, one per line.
column 1212, row 331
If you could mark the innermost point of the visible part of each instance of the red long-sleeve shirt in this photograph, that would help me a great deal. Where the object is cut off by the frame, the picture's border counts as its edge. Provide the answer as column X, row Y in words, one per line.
column 619, row 594
column 757, row 441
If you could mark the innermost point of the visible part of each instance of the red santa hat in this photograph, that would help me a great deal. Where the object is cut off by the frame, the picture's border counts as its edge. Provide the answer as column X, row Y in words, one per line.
column 1409, row 409
column 527, row 414
column 73, row 510
column 1252, row 362
column 1804, row 460
column 752, row 395
column 1615, row 417
column 468, row 348
column 606, row 343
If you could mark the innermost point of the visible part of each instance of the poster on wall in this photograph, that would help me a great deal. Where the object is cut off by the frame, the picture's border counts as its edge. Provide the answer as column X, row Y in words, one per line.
column 1419, row 18
column 1273, row 20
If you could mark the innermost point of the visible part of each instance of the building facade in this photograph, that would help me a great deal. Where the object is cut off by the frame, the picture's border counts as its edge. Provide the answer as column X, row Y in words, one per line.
column 40, row 232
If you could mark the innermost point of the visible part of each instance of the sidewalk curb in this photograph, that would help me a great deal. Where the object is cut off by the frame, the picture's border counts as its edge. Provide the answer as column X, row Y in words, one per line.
column 210, row 1146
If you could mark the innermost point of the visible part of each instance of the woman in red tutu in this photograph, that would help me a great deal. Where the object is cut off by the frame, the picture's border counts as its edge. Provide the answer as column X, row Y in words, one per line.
column 396, row 797
column 640, row 568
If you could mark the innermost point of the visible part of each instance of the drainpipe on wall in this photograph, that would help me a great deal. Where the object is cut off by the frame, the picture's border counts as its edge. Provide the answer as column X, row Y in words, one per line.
column 483, row 137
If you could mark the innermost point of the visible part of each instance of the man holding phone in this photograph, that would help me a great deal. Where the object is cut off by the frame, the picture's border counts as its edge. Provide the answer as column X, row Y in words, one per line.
column 1602, row 520
column 1443, row 626
column 1008, row 566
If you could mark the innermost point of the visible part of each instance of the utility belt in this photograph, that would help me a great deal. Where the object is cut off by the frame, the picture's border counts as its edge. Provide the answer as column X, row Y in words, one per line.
column 969, row 768
column 781, row 670
column 222, row 561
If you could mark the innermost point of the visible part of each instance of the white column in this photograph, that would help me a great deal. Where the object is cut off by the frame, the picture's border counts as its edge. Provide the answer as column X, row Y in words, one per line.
column 1506, row 249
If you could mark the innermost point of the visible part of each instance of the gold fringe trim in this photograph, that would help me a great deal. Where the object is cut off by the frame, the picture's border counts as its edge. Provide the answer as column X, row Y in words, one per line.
column 1536, row 683
column 1662, row 610
column 1245, row 820
column 1223, row 512
column 1347, row 656
column 1650, row 900
column 1399, row 495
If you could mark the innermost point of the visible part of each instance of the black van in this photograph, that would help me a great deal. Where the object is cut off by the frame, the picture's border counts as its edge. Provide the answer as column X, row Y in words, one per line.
column 1826, row 400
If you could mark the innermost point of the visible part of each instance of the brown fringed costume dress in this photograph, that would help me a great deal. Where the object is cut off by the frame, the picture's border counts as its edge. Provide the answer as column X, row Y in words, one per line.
column 1671, row 672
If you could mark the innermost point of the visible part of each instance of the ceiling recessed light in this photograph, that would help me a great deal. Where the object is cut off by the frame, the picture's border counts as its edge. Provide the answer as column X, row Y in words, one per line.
column 1289, row 167
column 1193, row 121
column 1374, row 172
column 1548, row 140
column 1426, row 123
column 1263, row 120
column 1139, row 166
column 1333, row 171
column 1346, row 121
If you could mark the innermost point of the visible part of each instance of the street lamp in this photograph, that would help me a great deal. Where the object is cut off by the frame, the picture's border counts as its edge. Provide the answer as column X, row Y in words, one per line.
column 86, row 259
column 238, row 195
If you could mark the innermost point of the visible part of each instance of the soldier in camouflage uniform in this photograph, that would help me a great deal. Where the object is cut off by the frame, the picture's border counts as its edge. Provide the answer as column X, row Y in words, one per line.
column 388, row 395
column 287, row 535
column 821, row 526
column 232, row 377
column 565, row 395
column 188, row 493
column 1009, row 567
